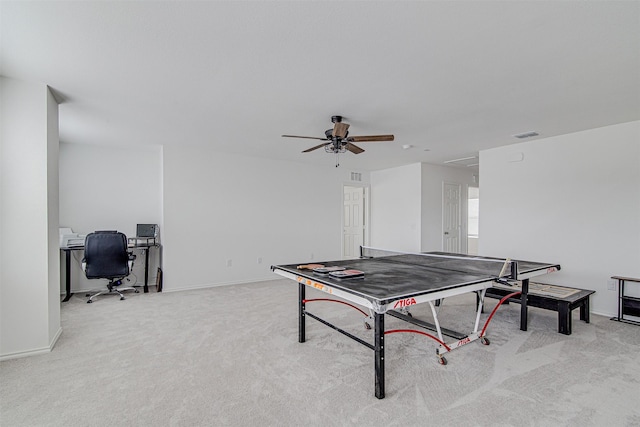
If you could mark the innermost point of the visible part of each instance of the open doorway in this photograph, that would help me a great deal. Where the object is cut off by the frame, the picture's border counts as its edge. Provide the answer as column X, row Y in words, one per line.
column 473, row 220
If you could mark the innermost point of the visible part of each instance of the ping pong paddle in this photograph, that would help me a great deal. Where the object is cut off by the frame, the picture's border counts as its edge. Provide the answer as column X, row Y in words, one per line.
column 309, row 266
column 347, row 274
column 327, row 270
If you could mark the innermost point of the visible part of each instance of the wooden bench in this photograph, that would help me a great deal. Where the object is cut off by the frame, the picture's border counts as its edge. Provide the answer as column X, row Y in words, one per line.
column 550, row 297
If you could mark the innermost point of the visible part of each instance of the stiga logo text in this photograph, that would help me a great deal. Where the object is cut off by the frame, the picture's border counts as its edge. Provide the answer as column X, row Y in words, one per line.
column 404, row 303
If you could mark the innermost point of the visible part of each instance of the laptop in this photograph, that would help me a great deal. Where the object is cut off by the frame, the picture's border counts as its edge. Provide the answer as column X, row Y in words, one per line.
column 147, row 230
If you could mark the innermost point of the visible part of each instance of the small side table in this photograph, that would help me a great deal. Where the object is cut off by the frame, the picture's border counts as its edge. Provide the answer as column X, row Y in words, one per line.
column 627, row 304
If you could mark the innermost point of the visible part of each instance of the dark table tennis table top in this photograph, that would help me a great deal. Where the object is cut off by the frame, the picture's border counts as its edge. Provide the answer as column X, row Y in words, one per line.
column 390, row 278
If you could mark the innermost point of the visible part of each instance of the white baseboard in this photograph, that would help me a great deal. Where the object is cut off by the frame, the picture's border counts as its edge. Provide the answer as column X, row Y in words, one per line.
column 55, row 338
column 33, row 352
column 215, row 285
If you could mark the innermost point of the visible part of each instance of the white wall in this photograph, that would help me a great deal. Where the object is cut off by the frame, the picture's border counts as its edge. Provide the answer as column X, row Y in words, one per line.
column 433, row 179
column 29, row 297
column 211, row 207
column 573, row 200
column 406, row 206
column 110, row 188
column 220, row 207
column 396, row 208
column 53, row 216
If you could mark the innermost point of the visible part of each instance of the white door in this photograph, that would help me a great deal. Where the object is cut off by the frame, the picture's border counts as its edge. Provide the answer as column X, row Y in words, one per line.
column 353, row 221
column 451, row 201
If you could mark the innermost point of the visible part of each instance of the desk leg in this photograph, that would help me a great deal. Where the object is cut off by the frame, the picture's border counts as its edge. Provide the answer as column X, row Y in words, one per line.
column 67, row 279
column 146, row 270
column 523, row 305
column 301, row 326
column 379, row 349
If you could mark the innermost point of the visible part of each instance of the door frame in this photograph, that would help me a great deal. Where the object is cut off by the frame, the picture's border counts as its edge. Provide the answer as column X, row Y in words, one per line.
column 367, row 213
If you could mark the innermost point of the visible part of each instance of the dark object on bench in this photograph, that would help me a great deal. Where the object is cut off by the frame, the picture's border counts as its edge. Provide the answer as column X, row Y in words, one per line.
column 563, row 304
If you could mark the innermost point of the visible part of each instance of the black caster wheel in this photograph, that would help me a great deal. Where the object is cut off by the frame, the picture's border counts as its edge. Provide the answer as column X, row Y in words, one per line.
column 89, row 302
column 442, row 360
column 485, row 341
column 121, row 298
column 137, row 291
column 367, row 325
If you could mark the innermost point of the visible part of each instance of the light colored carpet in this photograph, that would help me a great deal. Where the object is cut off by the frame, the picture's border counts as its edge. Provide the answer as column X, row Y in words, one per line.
column 229, row 356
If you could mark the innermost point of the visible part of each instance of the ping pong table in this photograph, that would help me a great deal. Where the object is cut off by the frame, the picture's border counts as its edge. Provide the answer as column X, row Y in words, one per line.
column 393, row 282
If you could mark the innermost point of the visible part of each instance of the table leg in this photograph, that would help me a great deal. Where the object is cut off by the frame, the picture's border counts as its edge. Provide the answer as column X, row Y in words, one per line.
column 620, row 293
column 564, row 318
column 523, row 305
column 379, row 350
column 301, row 326
column 67, row 279
column 584, row 310
column 146, row 270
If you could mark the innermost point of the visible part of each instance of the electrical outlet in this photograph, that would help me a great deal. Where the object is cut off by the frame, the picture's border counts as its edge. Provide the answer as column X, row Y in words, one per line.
column 259, row 260
column 611, row 284
column 229, row 263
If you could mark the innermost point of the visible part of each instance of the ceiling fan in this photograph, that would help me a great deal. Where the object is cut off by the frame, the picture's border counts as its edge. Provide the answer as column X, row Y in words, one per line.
column 337, row 140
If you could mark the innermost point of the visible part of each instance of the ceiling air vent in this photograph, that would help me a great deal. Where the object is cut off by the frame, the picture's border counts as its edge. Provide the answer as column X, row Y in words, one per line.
column 356, row 176
column 526, row 135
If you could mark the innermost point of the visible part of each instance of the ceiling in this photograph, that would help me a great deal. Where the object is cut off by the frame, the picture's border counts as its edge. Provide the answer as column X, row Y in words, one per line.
column 448, row 79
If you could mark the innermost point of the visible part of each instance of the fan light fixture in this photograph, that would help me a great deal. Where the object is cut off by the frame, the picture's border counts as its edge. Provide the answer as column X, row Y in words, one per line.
column 337, row 140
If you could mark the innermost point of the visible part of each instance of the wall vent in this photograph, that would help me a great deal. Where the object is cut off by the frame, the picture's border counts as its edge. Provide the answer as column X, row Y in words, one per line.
column 526, row 135
column 356, row 176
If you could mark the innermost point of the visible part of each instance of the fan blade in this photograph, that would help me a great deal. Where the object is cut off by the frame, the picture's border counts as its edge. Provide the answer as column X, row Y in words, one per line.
column 340, row 130
column 371, row 138
column 354, row 148
column 314, row 148
column 306, row 137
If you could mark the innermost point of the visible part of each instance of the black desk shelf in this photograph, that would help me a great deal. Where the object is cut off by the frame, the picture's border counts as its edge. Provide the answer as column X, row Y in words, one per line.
column 627, row 305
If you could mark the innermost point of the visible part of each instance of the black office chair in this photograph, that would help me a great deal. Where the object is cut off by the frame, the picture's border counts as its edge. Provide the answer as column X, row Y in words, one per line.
column 106, row 257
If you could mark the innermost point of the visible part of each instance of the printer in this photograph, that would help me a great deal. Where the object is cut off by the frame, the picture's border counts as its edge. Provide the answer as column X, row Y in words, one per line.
column 70, row 239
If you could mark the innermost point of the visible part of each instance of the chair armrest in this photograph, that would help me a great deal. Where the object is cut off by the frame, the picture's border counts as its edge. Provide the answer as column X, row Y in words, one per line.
column 84, row 264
